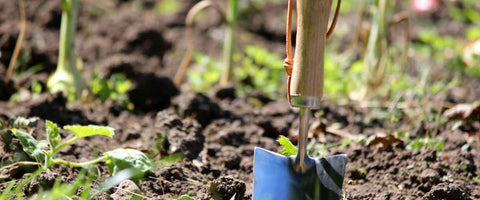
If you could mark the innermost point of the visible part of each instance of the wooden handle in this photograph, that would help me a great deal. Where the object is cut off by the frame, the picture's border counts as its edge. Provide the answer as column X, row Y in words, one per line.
column 307, row 75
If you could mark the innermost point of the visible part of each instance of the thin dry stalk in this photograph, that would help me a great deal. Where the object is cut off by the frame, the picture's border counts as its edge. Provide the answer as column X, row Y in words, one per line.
column 342, row 133
column 397, row 19
column 18, row 45
column 196, row 9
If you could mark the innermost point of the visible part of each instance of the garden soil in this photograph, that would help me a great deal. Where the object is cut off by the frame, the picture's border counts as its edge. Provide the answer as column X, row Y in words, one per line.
column 216, row 132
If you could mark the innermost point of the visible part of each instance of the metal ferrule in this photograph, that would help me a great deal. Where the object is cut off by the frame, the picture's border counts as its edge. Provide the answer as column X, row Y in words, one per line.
column 305, row 102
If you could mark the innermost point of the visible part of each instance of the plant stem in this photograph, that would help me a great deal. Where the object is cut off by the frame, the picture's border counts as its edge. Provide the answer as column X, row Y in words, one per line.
column 60, row 146
column 67, row 75
column 196, row 9
column 375, row 57
column 66, row 53
column 229, row 43
column 83, row 164
column 18, row 45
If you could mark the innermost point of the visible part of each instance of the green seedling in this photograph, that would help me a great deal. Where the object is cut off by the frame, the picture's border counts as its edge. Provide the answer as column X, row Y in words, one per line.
column 43, row 151
column 426, row 142
column 288, row 148
column 67, row 79
column 115, row 87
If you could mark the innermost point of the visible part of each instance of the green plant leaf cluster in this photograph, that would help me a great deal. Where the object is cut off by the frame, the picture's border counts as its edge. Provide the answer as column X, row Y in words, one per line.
column 120, row 159
column 115, row 87
column 256, row 69
column 426, row 142
column 90, row 130
column 204, row 79
column 31, row 146
column 261, row 70
column 116, row 160
column 288, row 148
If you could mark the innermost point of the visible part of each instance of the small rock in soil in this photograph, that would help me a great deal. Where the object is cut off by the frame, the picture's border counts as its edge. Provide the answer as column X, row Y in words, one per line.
column 126, row 191
column 445, row 191
column 182, row 135
column 227, row 187
column 197, row 106
column 430, row 175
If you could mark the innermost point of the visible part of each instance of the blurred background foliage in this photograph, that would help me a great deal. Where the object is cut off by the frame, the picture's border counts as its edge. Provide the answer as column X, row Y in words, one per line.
column 420, row 60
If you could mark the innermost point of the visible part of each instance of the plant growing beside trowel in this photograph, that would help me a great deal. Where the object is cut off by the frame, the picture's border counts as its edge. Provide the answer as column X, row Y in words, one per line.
column 301, row 177
column 231, row 19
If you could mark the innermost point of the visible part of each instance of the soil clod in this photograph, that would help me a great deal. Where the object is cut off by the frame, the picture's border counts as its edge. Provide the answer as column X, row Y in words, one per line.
column 227, row 187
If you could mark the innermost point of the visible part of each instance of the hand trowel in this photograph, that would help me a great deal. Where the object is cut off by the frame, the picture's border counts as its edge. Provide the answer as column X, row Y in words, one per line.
column 279, row 177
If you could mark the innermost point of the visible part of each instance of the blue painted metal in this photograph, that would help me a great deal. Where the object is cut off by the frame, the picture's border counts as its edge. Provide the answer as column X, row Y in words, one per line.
column 275, row 179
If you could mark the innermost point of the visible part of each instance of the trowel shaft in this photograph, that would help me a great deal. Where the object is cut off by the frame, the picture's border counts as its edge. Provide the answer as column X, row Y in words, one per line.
column 300, row 164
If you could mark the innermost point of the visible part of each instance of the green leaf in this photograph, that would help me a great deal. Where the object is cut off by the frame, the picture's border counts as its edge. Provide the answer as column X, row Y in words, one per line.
column 288, row 148
column 53, row 133
column 32, row 147
column 120, row 159
column 90, row 130
column 185, row 197
column 170, row 159
column 22, row 122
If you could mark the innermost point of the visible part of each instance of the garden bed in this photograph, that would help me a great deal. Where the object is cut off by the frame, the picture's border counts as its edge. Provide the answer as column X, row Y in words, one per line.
column 202, row 144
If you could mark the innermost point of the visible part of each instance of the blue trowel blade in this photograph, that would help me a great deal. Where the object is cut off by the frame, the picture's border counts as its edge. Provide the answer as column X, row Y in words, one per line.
column 275, row 179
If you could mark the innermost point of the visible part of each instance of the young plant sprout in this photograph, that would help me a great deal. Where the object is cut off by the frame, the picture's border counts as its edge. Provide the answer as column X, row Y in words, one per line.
column 116, row 160
column 231, row 18
column 229, row 43
column 67, row 79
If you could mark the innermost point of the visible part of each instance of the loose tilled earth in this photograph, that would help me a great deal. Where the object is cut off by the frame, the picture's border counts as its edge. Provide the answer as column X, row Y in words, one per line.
column 216, row 131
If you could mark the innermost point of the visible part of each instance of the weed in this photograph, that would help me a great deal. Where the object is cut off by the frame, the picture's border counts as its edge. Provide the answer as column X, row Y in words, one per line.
column 116, row 160
column 115, row 87
column 260, row 69
column 288, row 148
column 426, row 142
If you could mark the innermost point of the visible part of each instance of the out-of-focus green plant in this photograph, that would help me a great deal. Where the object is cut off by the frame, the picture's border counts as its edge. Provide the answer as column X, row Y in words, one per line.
column 466, row 12
column 259, row 69
column 448, row 50
column 80, row 188
column 426, row 142
column 229, row 42
column 167, row 7
column 376, row 57
column 115, row 87
column 67, row 79
column 203, row 79
column 342, row 82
